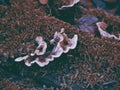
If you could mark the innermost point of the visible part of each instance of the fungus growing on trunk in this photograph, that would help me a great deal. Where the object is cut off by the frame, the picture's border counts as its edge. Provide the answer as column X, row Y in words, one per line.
column 40, row 61
column 61, row 42
column 72, row 3
column 40, row 50
column 42, row 46
column 21, row 58
column 102, row 27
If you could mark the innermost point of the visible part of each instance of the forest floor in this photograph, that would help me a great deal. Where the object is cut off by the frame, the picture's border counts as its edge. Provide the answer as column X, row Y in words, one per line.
column 94, row 64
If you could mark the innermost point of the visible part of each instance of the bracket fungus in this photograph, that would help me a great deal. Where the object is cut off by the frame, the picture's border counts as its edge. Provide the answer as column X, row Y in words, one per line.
column 102, row 27
column 42, row 46
column 61, row 42
column 21, row 58
column 40, row 50
column 72, row 3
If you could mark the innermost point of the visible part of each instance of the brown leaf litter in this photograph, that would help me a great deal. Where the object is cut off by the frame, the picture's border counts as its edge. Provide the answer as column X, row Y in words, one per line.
column 94, row 60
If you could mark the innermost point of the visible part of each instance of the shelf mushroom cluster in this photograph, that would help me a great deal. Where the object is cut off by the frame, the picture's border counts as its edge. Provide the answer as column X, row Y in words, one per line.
column 102, row 29
column 61, row 42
